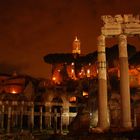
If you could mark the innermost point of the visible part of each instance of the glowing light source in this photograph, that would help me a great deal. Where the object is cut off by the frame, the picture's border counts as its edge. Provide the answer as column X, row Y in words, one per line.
column 72, row 63
column 88, row 73
column 14, row 91
column 54, row 78
column 72, row 71
column 72, row 99
column 85, row 94
column 97, row 71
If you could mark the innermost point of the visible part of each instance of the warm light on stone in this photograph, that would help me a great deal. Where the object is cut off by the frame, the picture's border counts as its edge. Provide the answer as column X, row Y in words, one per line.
column 72, row 99
column 85, row 94
column 13, row 91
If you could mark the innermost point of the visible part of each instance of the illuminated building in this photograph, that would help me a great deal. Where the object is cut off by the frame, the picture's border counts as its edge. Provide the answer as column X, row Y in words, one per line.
column 76, row 49
column 73, row 68
column 53, row 104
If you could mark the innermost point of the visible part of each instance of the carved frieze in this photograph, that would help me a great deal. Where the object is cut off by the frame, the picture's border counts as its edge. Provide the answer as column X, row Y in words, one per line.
column 118, row 24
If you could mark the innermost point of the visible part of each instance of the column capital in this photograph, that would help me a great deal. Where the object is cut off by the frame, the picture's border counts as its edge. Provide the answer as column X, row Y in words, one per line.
column 100, row 37
column 123, row 46
column 101, row 40
column 122, row 36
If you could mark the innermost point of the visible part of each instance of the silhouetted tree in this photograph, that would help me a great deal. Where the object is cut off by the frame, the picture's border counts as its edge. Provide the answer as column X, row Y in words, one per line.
column 135, row 59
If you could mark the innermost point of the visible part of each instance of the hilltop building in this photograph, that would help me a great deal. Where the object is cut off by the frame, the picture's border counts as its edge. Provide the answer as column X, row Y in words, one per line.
column 78, row 68
column 73, row 70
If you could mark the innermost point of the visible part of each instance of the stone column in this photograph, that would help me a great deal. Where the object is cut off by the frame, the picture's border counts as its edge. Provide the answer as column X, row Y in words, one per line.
column 14, row 116
column 65, row 117
column 124, row 83
column 2, row 117
column 41, row 118
column 102, row 81
column 21, row 117
column 9, row 119
column 32, row 116
column 16, row 113
column 47, row 115
column 55, row 121
column 61, row 123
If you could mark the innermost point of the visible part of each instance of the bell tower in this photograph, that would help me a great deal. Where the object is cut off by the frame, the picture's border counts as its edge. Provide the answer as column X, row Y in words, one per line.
column 76, row 46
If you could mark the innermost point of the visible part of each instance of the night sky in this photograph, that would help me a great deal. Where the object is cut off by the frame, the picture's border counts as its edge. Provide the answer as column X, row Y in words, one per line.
column 31, row 29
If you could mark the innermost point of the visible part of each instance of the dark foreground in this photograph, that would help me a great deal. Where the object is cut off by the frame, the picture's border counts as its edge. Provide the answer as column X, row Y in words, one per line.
column 26, row 135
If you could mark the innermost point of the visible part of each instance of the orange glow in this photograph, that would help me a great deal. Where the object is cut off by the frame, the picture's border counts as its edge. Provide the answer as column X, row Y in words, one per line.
column 72, row 63
column 85, row 94
column 72, row 99
column 14, row 91
column 97, row 71
column 88, row 73
column 54, row 78
column 72, row 71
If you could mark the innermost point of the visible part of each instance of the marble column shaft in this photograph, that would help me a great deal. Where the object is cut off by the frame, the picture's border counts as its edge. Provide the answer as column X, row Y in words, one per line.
column 102, row 81
column 124, row 82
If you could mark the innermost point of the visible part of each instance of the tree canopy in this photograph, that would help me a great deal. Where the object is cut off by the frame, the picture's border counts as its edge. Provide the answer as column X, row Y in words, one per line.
column 112, row 54
column 135, row 60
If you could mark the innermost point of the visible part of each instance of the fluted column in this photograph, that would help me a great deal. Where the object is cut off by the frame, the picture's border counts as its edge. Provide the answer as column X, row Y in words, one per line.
column 124, row 82
column 102, row 81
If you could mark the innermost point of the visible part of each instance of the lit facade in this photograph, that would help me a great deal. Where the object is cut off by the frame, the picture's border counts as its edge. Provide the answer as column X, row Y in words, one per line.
column 84, row 70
